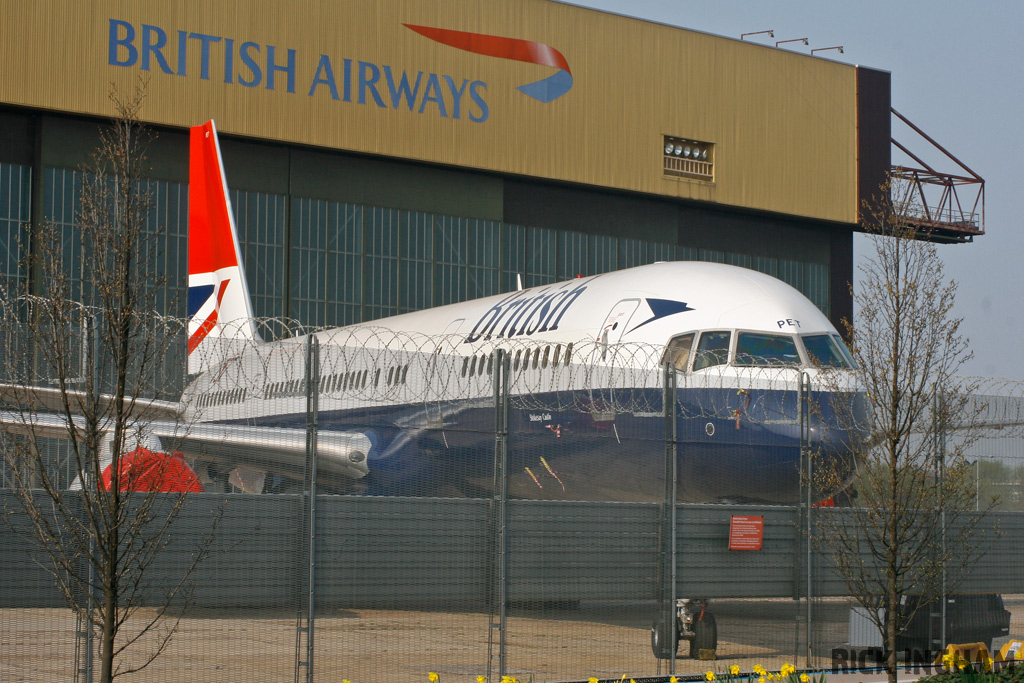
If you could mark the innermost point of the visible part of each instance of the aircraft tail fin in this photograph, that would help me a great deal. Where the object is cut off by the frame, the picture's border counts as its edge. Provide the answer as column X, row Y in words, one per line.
column 219, row 306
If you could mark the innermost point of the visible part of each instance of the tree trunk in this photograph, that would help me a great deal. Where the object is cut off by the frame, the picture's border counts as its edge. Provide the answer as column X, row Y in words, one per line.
column 891, row 617
column 108, row 630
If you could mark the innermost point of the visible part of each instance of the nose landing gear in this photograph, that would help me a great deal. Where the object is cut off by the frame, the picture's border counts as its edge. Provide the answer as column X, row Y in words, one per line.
column 693, row 623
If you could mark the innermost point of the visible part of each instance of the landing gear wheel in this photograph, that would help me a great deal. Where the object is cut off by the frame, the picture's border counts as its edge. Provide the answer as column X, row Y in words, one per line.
column 705, row 635
column 661, row 641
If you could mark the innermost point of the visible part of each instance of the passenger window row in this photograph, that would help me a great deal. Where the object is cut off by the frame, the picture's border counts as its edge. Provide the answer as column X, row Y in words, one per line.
column 355, row 379
column 522, row 360
column 219, row 398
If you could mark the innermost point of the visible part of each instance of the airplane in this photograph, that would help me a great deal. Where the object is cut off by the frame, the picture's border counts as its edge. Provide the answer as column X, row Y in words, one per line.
column 406, row 403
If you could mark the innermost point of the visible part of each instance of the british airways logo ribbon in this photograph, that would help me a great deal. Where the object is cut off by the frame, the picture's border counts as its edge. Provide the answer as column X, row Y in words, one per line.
column 544, row 90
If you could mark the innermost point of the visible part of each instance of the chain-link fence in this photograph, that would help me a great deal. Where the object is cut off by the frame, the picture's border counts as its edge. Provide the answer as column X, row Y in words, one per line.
column 379, row 505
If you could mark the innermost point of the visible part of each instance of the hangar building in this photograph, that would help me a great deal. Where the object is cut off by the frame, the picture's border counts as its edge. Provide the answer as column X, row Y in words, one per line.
column 392, row 155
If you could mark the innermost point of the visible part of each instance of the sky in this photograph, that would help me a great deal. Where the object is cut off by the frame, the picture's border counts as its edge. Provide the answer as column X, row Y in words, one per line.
column 957, row 74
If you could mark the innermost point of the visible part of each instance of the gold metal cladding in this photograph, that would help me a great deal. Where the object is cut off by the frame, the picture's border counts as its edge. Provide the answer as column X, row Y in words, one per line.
column 783, row 125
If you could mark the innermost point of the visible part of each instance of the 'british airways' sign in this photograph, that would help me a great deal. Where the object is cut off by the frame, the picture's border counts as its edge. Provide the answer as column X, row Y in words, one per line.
column 255, row 65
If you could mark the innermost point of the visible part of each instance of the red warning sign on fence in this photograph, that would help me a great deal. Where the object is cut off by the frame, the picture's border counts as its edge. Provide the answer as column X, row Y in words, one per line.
column 746, row 532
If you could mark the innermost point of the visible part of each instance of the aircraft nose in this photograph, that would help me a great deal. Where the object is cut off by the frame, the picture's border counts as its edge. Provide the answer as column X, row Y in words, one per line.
column 839, row 438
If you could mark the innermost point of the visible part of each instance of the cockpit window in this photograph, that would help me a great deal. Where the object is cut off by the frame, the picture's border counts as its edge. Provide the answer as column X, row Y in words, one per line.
column 825, row 351
column 756, row 348
column 712, row 349
column 678, row 352
column 845, row 350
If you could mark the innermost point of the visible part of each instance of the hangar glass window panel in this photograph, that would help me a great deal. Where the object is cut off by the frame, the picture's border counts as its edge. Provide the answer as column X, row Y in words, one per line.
column 513, row 242
column 660, row 251
column 741, row 260
column 681, row 254
column 632, row 253
column 383, row 227
column 167, row 231
column 484, row 260
column 792, row 272
column 711, row 255
column 309, row 261
column 451, row 248
column 163, row 245
column 261, row 220
column 603, row 254
column 417, row 251
column 767, row 264
column 60, row 205
column 817, row 286
column 15, row 203
column 326, row 263
column 573, row 261
column 541, row 250
column 345, row 265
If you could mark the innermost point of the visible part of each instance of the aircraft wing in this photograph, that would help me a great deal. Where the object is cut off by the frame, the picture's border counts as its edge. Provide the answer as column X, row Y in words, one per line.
column 40, row 412
column 267, row 448
column 51, row 399
column 47, row 425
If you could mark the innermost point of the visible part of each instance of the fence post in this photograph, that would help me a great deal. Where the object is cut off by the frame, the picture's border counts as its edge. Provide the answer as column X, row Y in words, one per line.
column 304, row 629
column 806, row 476
column 498, row 589
column 667, row 570
column 938, row 429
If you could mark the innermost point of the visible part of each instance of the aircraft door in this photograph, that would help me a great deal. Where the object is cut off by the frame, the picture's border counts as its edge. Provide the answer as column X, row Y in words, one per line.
column 615, row 322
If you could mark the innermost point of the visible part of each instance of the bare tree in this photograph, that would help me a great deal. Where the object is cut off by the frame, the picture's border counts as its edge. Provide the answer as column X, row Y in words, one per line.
column 82, row 354
column 907, row 534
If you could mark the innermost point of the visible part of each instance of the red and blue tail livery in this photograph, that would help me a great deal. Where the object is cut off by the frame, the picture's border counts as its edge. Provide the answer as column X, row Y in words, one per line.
column 218, row 296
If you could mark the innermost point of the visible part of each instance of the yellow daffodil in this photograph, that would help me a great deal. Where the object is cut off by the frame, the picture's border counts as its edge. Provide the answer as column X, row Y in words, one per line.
column 760, row 680
column 734, row 669
column 787, row 669
column 433, row 677
column 759, row 670
column 673, row 679
column 481, row 679
column 709, row 675
column 591, row 680
column 804, row 678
